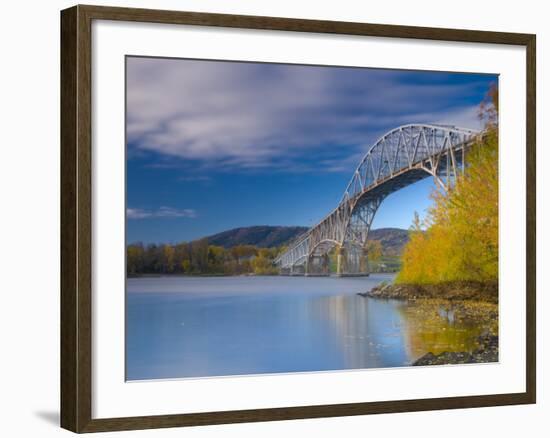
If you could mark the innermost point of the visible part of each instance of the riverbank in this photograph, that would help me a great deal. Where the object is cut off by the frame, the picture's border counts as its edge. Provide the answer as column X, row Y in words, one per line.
column 453, row 291
column 182, row 275
column 486, row 352
column 469, row 303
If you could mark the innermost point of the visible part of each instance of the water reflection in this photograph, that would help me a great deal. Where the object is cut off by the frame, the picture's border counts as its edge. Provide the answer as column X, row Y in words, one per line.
column 185, row 327
column 432, row 327
column 367, row 332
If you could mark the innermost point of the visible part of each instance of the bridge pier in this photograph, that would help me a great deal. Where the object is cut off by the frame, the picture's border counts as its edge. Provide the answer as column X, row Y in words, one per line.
column 284, row 271
column 318, row 266
column 352, row 261
column 298, row 270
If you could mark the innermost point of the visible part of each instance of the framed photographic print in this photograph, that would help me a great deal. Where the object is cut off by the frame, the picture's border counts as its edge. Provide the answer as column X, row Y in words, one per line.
column 268, row 218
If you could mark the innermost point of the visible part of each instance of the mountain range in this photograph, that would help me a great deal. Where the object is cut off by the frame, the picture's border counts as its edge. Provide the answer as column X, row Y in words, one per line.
column 392, row 239
column 262, row 236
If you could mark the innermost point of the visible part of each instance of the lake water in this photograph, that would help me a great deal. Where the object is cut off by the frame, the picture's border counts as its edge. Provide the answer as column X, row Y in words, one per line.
column 217, row 326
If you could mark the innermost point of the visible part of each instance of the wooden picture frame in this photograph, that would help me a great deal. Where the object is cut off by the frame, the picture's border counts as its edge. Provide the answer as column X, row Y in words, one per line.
column 76, row 217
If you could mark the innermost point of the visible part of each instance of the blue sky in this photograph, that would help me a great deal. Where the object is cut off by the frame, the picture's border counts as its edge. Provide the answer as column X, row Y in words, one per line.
column 216, row 145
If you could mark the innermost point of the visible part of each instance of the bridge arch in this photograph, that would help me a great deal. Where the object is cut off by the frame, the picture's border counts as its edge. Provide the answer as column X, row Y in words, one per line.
column 323, row 246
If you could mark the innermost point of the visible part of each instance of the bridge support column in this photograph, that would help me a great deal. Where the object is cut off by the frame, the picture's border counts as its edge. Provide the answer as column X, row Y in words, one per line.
column 339, row 260
column 284, row 271
column 318, row 266
column 352, row 262
column 364, row 264
column 298, row 270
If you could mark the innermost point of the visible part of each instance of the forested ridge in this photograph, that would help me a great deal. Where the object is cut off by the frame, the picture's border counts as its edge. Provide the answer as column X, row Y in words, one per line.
column 262, row 236
column 240, row 251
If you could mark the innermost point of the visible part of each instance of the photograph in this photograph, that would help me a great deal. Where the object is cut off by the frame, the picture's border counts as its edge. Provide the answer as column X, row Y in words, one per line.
column 274, row 219
column 286, row 218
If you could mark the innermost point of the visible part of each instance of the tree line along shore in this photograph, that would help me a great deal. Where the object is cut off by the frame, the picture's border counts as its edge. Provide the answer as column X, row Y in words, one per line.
column 201, row 258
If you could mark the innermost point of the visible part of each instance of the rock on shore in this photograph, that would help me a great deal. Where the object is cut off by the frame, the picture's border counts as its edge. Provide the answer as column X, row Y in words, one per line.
column 486, row 352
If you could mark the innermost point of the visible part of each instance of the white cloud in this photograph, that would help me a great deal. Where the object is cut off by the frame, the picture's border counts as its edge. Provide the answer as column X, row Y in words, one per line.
column 255, row 115
column 467, row 117
column 139, row 213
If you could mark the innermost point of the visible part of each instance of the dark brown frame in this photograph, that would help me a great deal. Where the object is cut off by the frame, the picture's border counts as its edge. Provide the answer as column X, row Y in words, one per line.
column 76, row 236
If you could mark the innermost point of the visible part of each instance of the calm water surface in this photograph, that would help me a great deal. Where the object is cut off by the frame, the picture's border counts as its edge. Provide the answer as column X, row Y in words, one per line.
column 196, row 327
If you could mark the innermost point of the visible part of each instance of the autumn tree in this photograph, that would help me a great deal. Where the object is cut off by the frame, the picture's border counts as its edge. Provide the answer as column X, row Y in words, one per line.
column 374, row 250
column 262, row 264
column 460, row 242
column 168, row 261
column 134, row 258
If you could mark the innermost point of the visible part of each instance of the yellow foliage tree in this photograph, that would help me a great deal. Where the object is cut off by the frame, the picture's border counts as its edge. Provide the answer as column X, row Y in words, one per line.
column 374, row 250
column 458, row 241
column 169, row 252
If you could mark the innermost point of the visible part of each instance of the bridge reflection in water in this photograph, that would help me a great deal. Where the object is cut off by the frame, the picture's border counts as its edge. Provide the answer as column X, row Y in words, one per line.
column 399, row 158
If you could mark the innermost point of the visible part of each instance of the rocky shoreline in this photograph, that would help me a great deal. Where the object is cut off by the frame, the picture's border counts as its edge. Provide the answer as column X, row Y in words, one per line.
column 467, row 301
column 485, row 353
column 456, row 291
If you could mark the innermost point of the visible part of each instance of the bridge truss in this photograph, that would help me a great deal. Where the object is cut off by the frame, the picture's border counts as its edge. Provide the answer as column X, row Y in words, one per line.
column 399, row 158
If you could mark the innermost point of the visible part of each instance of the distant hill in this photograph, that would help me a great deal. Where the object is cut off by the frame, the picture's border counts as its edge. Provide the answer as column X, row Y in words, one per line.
column 392, row 239
column 262, row 236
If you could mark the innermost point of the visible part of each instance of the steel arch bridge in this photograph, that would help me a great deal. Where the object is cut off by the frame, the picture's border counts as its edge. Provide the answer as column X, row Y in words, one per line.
column 399, row 158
